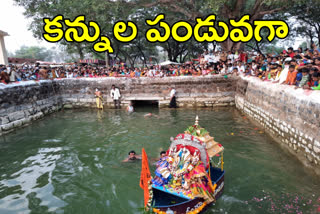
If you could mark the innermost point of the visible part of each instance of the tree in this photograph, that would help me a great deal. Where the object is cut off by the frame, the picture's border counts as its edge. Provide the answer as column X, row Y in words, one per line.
column 107, row 12
column 306, row 12
column 225, row 9
column 104, row 12
column 34, row 52
column 98, row 10
column 303, row 45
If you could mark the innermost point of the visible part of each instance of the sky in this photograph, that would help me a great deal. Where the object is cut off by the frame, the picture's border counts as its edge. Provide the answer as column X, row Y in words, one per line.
column 16, row 25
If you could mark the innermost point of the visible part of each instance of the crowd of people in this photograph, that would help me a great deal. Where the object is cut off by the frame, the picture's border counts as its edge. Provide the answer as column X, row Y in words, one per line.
column 300, row 68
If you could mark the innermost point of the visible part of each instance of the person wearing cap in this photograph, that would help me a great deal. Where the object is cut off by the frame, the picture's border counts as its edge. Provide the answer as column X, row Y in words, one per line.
column 99, row 100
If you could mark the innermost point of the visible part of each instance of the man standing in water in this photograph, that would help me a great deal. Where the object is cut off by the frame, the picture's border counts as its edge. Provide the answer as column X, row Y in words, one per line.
column 115, row 94
column 99, row 101
column 173, row 103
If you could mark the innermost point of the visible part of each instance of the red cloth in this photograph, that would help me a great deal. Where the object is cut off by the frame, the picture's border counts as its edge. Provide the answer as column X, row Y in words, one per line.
column 243, row 57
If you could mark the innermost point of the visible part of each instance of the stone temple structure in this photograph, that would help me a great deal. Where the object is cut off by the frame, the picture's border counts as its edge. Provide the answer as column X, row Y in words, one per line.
column 3, row 52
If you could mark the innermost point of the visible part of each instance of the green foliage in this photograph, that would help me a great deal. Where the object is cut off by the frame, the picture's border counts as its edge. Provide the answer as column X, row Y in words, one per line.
column 303, row 45
column 193, row 130
column 274, row 49
column 34, row 52
column 107, row 12
column 306, row 13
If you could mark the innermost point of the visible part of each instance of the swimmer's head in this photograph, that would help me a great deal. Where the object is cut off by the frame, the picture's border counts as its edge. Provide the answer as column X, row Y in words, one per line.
column 162, row 154
column 132, row 153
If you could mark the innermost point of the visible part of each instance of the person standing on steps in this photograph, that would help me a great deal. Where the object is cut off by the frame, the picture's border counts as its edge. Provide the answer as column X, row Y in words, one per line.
column 115, row 94
column 173, row 103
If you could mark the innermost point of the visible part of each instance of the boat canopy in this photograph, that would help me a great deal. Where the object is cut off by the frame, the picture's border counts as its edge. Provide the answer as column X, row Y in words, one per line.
column 190, row 144
column 212, row 147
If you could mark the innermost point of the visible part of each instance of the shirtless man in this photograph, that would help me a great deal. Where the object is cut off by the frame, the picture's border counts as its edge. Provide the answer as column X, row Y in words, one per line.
column 150, row 115
column 43, row 73
column 130, row 108
column 132, row 156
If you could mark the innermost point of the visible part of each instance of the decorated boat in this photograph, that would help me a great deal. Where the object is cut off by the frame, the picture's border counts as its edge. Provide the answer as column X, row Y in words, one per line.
column 189, row 178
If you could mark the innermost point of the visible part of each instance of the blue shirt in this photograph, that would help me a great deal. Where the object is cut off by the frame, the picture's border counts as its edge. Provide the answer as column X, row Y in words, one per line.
column 137, row 74
column 316, row 83
column 298, row 78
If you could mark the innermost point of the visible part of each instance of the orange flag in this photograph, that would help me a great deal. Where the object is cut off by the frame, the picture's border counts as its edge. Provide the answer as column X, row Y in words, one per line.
column 145, row 176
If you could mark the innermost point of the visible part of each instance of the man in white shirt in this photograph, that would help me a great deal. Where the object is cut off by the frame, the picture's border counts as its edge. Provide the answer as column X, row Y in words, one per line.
column 151, row 72
column 207, row 57
column 115, row 94
column 211, row 59
column 231, row 56
column 173, row 103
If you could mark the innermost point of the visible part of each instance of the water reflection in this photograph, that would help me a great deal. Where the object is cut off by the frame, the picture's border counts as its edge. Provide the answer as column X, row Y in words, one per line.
column 32, row 184
column 70, row 162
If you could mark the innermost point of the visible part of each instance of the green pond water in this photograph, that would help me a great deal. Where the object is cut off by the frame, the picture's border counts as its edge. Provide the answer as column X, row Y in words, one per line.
column 70, row 162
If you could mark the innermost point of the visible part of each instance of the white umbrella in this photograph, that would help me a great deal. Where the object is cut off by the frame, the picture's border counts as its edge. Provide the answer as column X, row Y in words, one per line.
column 168, row 63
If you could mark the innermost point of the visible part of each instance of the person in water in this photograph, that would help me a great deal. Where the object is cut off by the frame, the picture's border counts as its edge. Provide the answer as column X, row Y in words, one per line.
column 162, row 155
column 150, row 115
column 130, row 108
column 132, row 156
column 99, row 100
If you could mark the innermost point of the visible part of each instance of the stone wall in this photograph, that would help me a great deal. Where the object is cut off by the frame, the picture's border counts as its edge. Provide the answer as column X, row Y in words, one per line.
column 21, row 103
column 290, row 116
column 205, row 91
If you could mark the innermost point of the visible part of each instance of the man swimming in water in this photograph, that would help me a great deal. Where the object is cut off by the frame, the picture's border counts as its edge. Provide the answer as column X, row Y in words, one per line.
column 162, row 155
column 132, row 156
column 150, row 115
